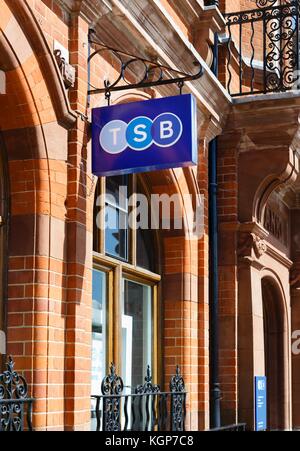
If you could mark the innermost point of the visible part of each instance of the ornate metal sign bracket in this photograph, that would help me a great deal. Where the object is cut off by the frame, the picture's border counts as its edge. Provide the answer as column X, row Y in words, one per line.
column 134, row 72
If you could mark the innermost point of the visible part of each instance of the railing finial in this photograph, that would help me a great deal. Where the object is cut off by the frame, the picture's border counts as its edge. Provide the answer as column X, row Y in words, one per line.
column 112, row 384
column 148, row 387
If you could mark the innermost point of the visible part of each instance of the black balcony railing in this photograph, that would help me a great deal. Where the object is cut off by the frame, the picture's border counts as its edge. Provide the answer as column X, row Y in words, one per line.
column 147, row 408
column 211, row 2
column 263, row 48
column 15, row 405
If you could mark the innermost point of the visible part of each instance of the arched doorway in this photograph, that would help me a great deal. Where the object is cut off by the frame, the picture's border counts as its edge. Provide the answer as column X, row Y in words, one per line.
column 274, row 347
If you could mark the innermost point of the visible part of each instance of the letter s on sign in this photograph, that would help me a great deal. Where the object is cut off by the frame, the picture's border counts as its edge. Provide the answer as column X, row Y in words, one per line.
column 138, row 134
column 139, row 130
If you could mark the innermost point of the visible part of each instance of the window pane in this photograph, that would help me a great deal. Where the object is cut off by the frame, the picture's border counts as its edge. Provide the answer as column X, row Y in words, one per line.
column 113, row 184
column 116, row 233
column 136, row 333
column 116, row 217
column 145, row 249
column 98, row 331
column 145, row 237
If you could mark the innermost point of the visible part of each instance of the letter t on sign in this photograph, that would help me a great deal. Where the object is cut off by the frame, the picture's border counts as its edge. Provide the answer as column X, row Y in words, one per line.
column 2, row 82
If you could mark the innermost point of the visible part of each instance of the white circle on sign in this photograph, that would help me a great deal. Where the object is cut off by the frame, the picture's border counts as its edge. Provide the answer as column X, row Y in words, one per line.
column 113, row 137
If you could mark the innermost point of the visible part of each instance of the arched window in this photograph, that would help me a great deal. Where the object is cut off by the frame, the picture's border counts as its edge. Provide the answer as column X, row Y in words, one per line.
column 125, row 282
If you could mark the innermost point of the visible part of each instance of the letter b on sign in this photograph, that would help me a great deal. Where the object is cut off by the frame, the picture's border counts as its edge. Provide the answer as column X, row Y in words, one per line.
column 166, row 130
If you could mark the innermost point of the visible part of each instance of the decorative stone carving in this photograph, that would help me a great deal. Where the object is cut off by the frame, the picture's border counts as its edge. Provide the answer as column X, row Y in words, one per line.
column 249, row 242
column 274, row 224
column 68, row 72
column 295, row 277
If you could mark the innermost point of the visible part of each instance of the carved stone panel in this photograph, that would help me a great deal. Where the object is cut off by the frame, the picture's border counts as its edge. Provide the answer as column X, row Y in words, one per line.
column 276, row 221
column 275, row 224
column 251, row 241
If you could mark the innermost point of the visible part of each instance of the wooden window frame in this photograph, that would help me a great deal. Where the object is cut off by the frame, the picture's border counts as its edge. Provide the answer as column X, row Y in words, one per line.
column 117, row 270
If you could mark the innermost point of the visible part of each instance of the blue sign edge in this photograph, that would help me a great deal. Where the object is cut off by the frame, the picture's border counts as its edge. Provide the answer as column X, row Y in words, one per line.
column 142, row 169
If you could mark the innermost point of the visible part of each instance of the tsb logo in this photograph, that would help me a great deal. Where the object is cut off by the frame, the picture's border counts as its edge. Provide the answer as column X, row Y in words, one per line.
column 164, row 131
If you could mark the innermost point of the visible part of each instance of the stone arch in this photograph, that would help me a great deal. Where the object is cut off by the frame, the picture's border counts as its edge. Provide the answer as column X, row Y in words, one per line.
column 27, row 49
column 260, row 174
column 264, row 332
column 276, row 350
column 35, row 116
column 179, row 253
column 269, row 184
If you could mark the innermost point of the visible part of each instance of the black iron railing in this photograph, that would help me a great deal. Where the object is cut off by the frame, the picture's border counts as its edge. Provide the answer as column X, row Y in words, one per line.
column 15, row 405
column 146, row 409
column 263, row 48
column 239, row 427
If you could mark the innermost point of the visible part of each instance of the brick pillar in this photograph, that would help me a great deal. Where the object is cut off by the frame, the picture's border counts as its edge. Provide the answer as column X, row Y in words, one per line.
column 36, row 273
column 79, row 246
column 180, row 320
column 203, row 295
column 186, row 310
column 228, row 215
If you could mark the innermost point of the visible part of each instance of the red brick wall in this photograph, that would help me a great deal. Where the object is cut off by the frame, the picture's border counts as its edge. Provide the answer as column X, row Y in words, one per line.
column 228, row 220
column 49, row 298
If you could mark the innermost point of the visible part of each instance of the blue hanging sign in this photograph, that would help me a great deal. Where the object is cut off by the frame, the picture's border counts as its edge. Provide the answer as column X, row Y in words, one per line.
column 144, row 136
column 260, row 403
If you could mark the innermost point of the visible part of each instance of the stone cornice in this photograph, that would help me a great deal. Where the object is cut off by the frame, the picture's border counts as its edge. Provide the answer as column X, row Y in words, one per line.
column 89, row 10
column 278, row 114
column 279, row 256
column 147, row 29
column 210, row 22
column 253, row 244
column 188, row 11
column 255, row 228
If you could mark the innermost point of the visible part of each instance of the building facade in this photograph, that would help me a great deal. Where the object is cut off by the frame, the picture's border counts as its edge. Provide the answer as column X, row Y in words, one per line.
column 76, row 296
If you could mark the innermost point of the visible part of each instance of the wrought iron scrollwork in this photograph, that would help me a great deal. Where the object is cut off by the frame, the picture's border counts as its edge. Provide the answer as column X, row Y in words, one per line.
column 112, row 384
column 112, row 387
column 177, row 382
column 273, row 65
column 147, row 388
column 146, row 411
column 266, row 3
column 177, row 388
column 13, row 398
column 145, row 408
column 135, row 72
column 12, row 384
column 282, row 48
